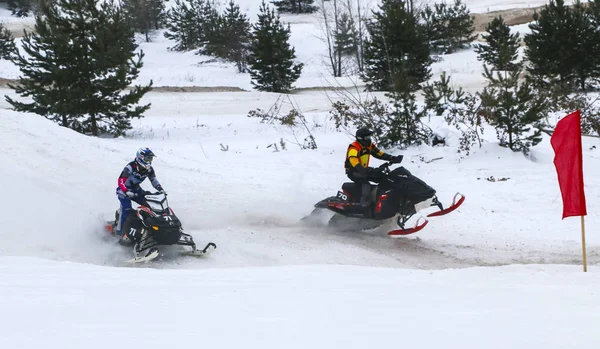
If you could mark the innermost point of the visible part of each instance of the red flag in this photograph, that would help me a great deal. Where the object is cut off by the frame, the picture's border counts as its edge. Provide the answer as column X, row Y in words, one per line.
column 568, row 160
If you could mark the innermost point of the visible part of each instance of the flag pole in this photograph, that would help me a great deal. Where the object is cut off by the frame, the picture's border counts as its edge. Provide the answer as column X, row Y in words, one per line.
column 583, row 243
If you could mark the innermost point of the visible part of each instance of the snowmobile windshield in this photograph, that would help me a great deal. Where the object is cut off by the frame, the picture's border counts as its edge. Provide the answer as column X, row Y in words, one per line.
column 157, row 203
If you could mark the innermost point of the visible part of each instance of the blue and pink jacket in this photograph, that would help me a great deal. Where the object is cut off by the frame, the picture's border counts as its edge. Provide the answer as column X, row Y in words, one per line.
column 133, row 175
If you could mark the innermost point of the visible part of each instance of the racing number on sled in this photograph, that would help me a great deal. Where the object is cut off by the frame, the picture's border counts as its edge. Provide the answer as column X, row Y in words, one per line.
column 342, row 196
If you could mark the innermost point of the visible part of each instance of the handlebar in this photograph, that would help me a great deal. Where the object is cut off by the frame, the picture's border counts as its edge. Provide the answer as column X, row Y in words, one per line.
column 144, row 193
column 385, row 167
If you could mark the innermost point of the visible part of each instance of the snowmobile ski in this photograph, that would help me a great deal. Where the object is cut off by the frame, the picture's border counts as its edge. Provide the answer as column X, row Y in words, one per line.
column 153, row 253
column 408, row 231
column 419, row 226
column 199, row 253
column 454, row 206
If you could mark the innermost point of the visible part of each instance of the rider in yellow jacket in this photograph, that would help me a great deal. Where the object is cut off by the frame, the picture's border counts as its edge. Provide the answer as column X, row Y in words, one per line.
column 357, row 163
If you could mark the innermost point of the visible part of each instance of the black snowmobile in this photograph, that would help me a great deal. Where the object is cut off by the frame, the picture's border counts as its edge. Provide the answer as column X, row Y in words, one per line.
column 398, row 193
column 153, row 224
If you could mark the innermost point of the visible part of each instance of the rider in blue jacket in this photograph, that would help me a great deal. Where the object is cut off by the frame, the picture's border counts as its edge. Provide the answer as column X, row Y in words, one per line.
column 129, row 183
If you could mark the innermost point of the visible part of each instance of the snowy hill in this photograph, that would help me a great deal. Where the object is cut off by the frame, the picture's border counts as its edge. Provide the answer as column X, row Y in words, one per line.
column 503, row 271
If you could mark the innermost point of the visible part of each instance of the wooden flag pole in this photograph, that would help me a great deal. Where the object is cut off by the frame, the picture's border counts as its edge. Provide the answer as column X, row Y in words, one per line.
column 583, row 244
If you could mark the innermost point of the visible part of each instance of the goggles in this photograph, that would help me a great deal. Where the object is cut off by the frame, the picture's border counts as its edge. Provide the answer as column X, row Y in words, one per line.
column 364, row 139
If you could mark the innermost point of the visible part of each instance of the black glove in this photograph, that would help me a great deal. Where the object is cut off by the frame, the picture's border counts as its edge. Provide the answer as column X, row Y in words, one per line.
column 396, row 159
column 374, row 171
column 161, row 190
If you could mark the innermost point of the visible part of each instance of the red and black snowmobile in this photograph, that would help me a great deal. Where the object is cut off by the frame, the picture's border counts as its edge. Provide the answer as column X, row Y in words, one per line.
column 398, row 193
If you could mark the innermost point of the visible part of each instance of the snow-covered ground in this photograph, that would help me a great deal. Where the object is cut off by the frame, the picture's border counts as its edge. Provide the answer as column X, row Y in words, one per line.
column 503, row 271
column 66, row 305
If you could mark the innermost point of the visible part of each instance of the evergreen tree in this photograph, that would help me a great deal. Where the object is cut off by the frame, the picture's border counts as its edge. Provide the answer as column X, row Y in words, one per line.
column 181, row 27
column 501, row 48
column 404, row 121
column 210, row 24
column 512, row 107
column 460, row 27
column 191, row 24
column 77, row 64
column 564, row 44
column 448, row 28
column 345, row 42
column 20, row 8
column 271, row 58
column 233, row 37
column 396, row 55
column 145, row 15
column 295, row 6
column 7, row 43
column 433, row 28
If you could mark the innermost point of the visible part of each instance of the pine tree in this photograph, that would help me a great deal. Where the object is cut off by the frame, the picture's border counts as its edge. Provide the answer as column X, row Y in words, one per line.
column 512, row 107
column 564, row 43
column 145, row 15
column 20, row 8
column 404, row 121
column 501, row 48
column 460, row 27
column 7, row 43
column 210, row 25
column 295, row 6
column 181, row 27
column 77, row 64
column 396, row 56
column 233, row 37
column 271, row 58
column 433, row 28
column 448, row 28
column 345, row 42
column 191, row 24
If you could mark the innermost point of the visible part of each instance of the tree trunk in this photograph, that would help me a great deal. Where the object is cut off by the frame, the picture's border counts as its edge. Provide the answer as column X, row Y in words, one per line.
column 331, row 40
column 94, row 125
column 338, row 49
column 359, row 51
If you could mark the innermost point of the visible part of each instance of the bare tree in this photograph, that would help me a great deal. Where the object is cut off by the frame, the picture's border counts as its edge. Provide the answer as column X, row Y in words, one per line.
column 357, row 12
column 334, row 60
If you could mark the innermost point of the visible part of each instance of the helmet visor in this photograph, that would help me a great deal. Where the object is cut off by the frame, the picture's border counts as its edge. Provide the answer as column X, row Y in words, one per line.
column 147, row 158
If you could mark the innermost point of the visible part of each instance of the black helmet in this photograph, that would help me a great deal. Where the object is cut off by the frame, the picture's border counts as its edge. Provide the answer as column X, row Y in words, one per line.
column 363, row 136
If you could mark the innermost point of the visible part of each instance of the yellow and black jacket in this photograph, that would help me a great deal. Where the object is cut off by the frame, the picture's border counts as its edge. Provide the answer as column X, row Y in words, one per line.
column 358, row 155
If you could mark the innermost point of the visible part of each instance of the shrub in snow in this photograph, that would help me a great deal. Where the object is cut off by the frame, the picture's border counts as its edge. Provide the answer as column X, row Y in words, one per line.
column 7, row 43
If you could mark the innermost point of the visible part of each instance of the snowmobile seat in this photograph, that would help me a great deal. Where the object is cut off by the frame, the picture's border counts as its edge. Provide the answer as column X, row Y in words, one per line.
column 349, row 187
column 353, row 189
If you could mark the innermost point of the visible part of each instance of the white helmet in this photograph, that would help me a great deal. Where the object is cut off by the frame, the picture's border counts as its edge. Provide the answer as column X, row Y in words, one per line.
column 144, row 157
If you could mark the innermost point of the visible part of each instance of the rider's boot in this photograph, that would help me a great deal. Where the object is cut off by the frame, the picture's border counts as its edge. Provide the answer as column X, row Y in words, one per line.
column 365, row 197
